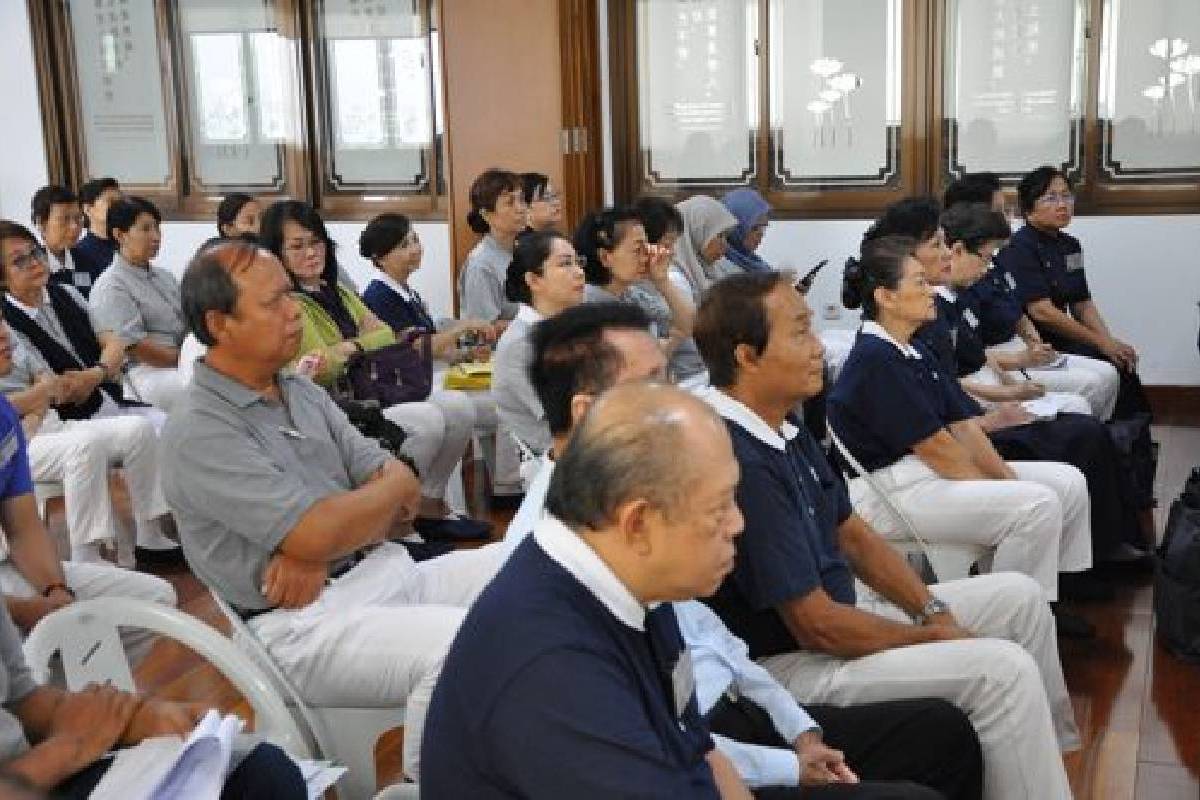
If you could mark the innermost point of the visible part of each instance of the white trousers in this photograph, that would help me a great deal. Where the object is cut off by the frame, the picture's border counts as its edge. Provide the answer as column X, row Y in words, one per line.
column 1039, row 525
column 158, row 386
column 438, row 431
column 1010, row 682
column 80, row 455
column 101, row 580
column 378, row 635
column 1097, row 381
column 1061, row 401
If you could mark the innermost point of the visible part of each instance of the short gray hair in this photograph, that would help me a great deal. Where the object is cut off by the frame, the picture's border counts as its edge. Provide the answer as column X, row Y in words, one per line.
column 627, row 447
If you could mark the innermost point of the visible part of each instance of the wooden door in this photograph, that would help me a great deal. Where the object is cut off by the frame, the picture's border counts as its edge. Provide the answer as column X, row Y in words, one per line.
column 521, row 85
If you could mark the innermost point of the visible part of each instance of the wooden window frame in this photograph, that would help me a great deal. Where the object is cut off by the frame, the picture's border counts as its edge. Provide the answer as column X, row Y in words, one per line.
column 922, row 145
column 181, row 197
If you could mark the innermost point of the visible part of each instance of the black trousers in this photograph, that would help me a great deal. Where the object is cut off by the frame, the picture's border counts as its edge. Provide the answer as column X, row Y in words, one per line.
column 901, row 749
column 1084, row 442
column 1131, row 396
column 266, row 773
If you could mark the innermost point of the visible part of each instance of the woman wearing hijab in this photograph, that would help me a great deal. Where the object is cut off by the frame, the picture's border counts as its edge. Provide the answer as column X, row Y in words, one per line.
column 699, row 262
column 753, row 213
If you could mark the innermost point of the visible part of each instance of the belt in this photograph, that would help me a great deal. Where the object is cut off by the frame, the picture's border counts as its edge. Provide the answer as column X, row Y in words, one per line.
column 351, row 561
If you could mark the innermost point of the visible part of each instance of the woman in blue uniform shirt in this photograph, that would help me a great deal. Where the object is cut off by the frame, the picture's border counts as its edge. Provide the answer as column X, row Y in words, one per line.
column 972, row 232
column 1006, row 329
column 1017, row 431
column 1047, row 265
column 910, row 424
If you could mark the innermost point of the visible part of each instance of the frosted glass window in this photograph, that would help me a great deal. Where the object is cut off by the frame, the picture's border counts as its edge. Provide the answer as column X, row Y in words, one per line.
column 120, row 90
column 698, row 90
column 1150, row 90
column 380, row 105
column 1014, row 78
column 240, row 78
column 835, row 92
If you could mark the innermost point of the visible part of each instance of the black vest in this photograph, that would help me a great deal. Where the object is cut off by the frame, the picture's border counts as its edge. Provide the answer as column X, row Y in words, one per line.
column 78, row 328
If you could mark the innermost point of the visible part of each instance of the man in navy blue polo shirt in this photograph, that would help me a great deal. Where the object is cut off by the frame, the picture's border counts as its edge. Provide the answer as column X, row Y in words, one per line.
column 793, row 597
column 569, row 676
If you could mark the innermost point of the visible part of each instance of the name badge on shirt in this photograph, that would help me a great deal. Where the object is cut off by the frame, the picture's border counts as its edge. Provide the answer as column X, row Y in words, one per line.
column 970, row 317
column 1074, row 261
column 8, row 448
column 683, row 682
column 1011, row 281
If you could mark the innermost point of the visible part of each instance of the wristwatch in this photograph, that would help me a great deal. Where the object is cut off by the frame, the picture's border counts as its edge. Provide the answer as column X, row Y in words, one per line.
column 932, row 607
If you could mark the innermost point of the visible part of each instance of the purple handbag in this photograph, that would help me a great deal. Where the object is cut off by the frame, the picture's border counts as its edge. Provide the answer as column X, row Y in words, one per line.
column 398, row 373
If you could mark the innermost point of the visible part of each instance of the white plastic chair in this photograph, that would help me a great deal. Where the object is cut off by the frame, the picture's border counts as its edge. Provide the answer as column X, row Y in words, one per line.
column 949, row 561
column 44, row 492
column 87, row 637
column 346, row 735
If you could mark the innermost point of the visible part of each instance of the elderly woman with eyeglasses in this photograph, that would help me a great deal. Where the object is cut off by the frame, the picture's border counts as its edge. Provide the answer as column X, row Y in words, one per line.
column 1047, row 265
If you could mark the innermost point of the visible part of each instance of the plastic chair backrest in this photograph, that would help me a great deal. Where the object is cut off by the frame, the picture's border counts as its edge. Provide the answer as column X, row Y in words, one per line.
column 87, row 637
column 948, row 562
column 250, row 644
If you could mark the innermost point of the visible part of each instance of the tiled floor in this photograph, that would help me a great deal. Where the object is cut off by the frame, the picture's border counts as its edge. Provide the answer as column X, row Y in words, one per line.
column 1137, row 706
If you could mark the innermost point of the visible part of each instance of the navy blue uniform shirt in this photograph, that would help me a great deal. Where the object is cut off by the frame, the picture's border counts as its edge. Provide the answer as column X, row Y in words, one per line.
column 954, row 338
column 1046, row 266
column 994, row 300
column 885, row 401
column 396, row 310
column 546, row 693
column 793, row 503
column 92, row 255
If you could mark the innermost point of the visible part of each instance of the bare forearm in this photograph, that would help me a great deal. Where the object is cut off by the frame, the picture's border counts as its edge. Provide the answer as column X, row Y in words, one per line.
column 29, row 400
column 983, row 454
column 48, row 764
column 1028, row 331
column 879, row 566
column 154, row 354
column 683, row 313
column 1062, row 323
column 729, row 783
column 340, row 524
column 1090, row 316
column 847, row 632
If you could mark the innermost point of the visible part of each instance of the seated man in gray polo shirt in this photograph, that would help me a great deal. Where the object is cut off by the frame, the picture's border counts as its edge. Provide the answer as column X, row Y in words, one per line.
column 285, row 510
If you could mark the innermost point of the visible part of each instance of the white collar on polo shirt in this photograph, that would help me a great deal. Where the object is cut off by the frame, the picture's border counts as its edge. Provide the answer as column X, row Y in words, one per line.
column 875, row 329
column 945, row 292
column 573, row 554
column 528, row 314
column 396, row 286
column 30, row 311
column 737, row 412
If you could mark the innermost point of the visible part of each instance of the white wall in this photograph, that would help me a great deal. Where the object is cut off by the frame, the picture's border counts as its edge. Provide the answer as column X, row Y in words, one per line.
column 22, row 153
column 1144, row 271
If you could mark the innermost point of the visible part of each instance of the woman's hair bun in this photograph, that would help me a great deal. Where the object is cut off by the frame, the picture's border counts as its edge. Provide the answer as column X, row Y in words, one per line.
column 852, row 279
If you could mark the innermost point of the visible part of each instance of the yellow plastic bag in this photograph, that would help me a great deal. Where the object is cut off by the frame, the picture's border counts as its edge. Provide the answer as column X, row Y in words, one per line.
column 470, row 376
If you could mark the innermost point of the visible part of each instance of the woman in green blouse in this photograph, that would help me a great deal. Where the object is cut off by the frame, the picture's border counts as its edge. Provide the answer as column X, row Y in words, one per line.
column 336, row 324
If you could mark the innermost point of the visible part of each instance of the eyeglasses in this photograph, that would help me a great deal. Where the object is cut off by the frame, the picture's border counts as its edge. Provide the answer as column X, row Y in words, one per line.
column 25, row 261
column 412, row 240
column 548, row 197
column 1053, row 199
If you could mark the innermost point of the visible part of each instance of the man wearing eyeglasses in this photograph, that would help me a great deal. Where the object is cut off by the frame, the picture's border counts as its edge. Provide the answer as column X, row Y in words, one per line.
column 59, row 221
